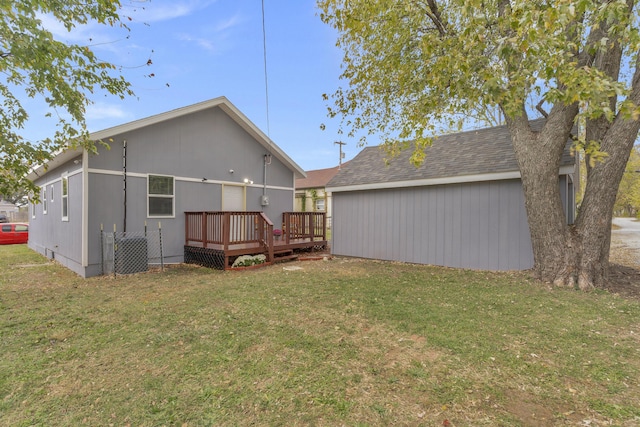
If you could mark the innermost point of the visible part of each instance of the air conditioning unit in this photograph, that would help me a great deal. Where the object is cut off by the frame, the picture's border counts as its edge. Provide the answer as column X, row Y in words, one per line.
column 264, row 200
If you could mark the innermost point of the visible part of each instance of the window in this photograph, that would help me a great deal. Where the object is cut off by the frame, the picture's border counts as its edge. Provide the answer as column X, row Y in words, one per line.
column 20, row 228
column 33, row 210
column 160, row 196
column 65, row 198
column 320, row 204
column 51, row 191
column 44, row 199
column 6, row 228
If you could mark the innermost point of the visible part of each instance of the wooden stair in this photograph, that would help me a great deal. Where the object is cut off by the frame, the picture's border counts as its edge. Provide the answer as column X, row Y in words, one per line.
column 284, row 255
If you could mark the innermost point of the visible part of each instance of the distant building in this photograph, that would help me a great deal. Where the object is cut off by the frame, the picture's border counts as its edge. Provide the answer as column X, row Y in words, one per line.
column 9, row 210
column 311, row 195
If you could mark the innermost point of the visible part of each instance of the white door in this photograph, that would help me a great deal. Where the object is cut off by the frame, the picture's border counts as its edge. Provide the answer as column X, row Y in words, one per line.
column 233, row 198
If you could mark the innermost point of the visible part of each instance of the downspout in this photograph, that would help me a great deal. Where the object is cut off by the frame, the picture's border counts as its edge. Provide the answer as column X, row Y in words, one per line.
column 124, row 188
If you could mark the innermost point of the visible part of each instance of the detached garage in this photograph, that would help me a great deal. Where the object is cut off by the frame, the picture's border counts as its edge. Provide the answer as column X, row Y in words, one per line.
column 463, row 207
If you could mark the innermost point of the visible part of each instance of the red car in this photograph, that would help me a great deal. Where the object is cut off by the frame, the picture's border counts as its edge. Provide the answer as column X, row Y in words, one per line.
column 14, row 233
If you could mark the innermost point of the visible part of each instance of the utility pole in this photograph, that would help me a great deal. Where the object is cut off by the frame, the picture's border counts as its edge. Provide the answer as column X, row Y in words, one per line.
column 340, row 143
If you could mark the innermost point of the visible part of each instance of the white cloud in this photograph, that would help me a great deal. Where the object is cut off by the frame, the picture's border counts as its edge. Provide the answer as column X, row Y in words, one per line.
column 90, row 34
column 147, row 12
column 163, row 10
column 102, row 111
column 200, row 41
column 229, row 23
column 214, row 39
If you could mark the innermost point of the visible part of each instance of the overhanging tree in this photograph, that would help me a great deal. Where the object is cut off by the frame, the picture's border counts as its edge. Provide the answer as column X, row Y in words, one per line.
column 415, row 64
column 34, row 64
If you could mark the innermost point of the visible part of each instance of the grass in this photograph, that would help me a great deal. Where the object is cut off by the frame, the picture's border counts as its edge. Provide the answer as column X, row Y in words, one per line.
column 341, row 342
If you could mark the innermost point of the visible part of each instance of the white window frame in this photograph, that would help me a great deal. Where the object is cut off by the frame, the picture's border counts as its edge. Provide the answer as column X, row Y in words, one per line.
column 51, row 190
column 167, row 196
column 33, row 210
column 64, row 198
column 44, row 199
column 324, row 204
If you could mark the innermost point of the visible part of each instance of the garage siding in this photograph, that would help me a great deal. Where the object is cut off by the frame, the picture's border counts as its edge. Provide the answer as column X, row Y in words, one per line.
column 478, row 225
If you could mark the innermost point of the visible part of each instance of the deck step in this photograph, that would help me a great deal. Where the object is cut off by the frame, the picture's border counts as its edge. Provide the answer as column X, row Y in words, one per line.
column 290, row 257
column 284, row 255
column 282, row 252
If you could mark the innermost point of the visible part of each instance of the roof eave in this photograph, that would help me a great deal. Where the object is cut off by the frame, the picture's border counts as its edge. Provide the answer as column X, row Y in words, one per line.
column 221, row 102
column 498, row 176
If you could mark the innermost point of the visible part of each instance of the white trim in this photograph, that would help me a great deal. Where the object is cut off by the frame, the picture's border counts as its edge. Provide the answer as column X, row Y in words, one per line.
column 85, row 208
column 44, row 200
column 116, row 173
column 64, row 177
column 75, row 172
column 187, row 179
column 56, row 180
column 162, row 196
column 223, row 103
column 499, row 176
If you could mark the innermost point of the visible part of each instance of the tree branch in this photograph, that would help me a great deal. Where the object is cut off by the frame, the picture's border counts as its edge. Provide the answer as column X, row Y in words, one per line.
column 434, row 14
column 541, row 110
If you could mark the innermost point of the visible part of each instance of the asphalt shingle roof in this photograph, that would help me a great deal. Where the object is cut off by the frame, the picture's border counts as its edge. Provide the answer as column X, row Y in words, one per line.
column 317, row 178
column 475, row 152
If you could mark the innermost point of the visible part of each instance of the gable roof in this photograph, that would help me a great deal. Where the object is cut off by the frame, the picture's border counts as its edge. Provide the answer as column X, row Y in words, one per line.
column 317, row 178
column 476, row 155
column 221, row 102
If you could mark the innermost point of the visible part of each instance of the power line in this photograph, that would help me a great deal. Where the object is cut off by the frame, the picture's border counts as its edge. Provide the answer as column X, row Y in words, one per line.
column 266, row 80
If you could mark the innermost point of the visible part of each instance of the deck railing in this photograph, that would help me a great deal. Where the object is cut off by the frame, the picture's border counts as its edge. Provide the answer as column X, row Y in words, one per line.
column 310, row 226
column 237, row 233
column 225, row 229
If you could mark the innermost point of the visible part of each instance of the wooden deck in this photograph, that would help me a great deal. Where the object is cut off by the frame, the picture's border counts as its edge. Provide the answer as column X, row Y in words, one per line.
column 216, row 239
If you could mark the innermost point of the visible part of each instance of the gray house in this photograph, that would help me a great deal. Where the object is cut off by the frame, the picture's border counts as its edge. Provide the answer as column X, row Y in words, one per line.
column 204, row 157
column 463, row 207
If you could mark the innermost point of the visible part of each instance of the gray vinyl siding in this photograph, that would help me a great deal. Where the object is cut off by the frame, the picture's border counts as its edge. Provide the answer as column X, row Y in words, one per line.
column 207, row 144
column 479, row 225
column 48, row 234
column 204, row 144
column 107, row 209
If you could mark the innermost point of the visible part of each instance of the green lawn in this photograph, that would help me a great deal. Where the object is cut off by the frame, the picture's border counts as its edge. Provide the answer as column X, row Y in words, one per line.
column 340, row 342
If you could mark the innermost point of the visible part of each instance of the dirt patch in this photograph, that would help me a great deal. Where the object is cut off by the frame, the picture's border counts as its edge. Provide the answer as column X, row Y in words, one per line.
column 624, row 281
column 527, row 410
column 624, row 270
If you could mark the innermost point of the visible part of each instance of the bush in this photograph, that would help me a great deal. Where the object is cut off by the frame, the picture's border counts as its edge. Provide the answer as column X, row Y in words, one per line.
column 249, row 260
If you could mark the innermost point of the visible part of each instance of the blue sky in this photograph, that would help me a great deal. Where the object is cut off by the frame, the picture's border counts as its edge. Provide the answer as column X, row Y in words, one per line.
column 202, row 49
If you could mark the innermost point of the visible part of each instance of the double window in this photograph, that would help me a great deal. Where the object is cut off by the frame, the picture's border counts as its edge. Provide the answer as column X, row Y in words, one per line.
column 160, row 196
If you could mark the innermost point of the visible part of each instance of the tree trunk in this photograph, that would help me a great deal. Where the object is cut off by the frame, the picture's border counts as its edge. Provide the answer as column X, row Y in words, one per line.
column 539, row 155
column 594, row 221
column 567, row 255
